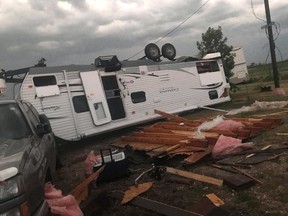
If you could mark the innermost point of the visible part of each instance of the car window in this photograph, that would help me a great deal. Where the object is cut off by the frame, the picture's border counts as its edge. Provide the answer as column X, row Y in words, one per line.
column 33, row 115
column 13, row 124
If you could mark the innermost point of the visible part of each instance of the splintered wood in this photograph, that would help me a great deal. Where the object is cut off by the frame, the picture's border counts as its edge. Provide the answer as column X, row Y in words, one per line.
column 179, row 136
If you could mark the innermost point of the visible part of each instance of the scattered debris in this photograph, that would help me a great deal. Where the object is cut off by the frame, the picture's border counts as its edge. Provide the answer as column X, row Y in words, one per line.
column 80, row 192
column 178, row 179
column 208, row 125
column 247, row 174
column 155, row 171
column 90, row 161
column 181, row 136
column 272, row 114
column 225, row 168
column 207, row 207
column 155, row 206
column 162, row 141
column 195, row 176
column 264, row 148
column 229, row 145
column 238, row 181
column 257, row 105
column 282, row 134
column 279, row 92
column 136, row 190
column 215, row 199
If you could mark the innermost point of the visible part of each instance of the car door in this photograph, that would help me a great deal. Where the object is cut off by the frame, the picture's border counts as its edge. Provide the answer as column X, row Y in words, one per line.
column 41, row 161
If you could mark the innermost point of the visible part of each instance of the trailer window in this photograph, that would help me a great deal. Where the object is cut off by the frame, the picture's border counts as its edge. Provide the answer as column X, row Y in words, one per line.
column 80, row 104
column 138, row 97
column 46, row 86
column 207, row 66
column 44, row 81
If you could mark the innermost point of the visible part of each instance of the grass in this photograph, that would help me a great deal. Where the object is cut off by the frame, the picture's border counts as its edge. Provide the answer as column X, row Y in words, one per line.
column 251, row 90
column 264, row 72
column 262, row 75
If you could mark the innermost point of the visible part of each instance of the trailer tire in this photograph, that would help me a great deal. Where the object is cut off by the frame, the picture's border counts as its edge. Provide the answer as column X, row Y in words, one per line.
column 168, row 51
column 152, row 52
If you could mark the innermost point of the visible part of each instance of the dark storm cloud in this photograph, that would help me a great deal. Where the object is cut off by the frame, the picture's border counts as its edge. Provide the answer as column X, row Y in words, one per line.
column 77, row 31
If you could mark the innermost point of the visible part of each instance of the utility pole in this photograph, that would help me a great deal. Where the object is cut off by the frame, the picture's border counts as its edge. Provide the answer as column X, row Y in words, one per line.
column 272, row 44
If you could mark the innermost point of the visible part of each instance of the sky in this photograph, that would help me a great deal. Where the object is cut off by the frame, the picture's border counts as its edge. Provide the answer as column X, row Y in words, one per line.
column 77, row 31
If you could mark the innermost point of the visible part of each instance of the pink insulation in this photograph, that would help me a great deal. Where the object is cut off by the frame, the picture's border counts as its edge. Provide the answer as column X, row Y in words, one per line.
column 229, row 145
column 90, row 161
column 279, row 92
column 230, row 125
column 59, row 204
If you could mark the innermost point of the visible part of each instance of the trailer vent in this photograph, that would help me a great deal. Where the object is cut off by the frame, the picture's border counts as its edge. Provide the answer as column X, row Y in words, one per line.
column 213, row 94
column 109, row 63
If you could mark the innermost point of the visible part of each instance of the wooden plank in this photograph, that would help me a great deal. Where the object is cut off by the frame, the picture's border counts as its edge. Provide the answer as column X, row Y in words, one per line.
column 265, row 125
column 140, row 146
column 198, row 155
column 180, row 128
column 80, row 192
column 274, row 120
column 215, row 199
column 282, row 134
column 206, row 207
column 160, row 135
column 156, row 130
column 243, row 134
column 165, row 152
column 165, row 141
column 224, row 132
column 247, row 174
column 155, row 206
column 170, row 116
column 276, row 113
column 195, row 176
column 189, row 149
column 238, row 181
column 171, row 123
column 264, row 148
column 135, row 190
column 254, row 131
column 178, row 179
column 193, row 134
column 225, row 168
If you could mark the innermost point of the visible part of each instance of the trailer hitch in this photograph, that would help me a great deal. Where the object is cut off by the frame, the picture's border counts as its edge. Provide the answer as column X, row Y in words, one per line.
column 155, row 172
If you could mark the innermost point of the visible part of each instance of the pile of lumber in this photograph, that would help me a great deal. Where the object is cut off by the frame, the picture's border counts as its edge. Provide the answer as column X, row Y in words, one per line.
column 178, row 136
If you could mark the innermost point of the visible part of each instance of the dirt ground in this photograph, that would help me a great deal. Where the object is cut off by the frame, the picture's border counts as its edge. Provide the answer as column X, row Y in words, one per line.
column 268, row 198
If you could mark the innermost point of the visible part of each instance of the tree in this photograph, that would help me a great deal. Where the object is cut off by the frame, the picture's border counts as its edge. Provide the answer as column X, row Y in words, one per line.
column 213, row 41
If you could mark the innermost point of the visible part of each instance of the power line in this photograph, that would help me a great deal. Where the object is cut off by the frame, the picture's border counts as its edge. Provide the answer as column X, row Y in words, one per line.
column 183, row 21
column 174, row 29
column 253, row 11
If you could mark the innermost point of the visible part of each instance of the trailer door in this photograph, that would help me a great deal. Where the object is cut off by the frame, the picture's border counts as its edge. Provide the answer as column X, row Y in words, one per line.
column 95, row 97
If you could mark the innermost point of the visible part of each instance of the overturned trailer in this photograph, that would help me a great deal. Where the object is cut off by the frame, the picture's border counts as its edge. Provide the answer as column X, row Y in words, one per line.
column 86, row 100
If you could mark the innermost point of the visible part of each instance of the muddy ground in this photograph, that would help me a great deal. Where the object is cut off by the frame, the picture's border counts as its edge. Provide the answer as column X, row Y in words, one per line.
column 268, row 198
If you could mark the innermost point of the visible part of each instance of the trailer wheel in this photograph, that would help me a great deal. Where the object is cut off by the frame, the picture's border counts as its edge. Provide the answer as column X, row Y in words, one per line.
column 168, row 51
column 152, row 52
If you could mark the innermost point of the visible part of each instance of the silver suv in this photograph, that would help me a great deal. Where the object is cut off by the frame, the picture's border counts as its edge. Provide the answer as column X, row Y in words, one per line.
column 27, row 159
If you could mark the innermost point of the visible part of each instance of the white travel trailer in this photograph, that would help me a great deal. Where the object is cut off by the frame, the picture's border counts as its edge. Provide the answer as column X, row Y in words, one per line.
column 240, row 71
column 86, row 100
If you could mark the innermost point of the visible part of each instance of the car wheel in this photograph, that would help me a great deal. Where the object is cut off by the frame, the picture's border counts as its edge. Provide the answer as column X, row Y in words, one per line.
column 168, row 51
column 152, row 52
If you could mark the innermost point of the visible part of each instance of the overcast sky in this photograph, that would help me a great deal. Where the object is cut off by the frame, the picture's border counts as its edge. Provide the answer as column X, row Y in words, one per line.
column 77, row 31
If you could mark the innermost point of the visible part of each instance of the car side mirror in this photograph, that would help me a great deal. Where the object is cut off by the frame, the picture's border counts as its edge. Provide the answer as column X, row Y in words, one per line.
column 44, row 127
